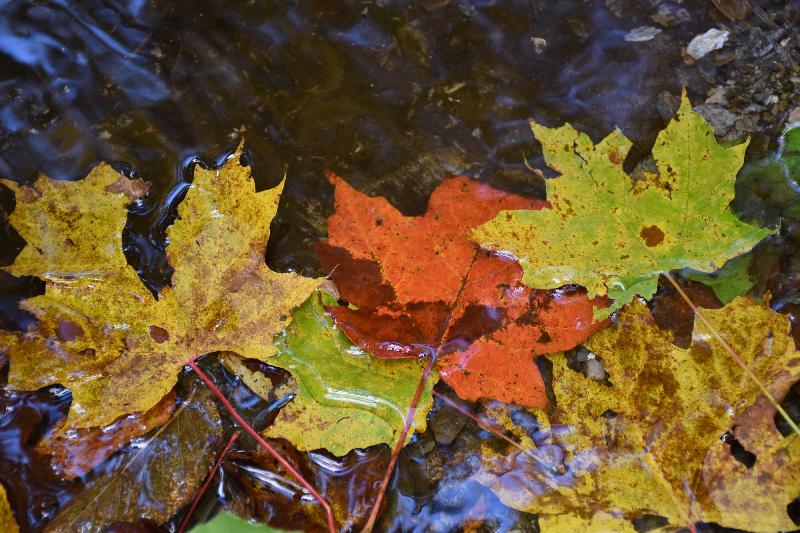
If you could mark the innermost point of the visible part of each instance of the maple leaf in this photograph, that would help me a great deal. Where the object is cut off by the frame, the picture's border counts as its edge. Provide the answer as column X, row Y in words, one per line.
column 151, row 481
column 100, row 332
column 614, row 235
column 76, row 452
column 348, row 483
column 7, row 521
column 637, row 446
column 345, row 398
column 418, row 285
column 772, row 481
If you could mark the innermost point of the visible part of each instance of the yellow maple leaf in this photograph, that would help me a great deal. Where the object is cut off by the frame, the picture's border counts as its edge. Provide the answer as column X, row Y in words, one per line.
column 101, row 333
column 638, row 447
column 7, row 522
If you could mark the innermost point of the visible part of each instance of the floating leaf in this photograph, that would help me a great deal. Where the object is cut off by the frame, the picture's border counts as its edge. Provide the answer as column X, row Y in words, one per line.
column 638, row 446
column 769, row 484
column 7, row 522
column 226, row 522
column 152, row 480
column 615, row 236
column 417, row 285
column 345, row 398
column 101, row 333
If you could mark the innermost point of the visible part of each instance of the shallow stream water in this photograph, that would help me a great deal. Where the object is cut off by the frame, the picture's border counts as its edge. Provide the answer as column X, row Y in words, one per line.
column 393, row 96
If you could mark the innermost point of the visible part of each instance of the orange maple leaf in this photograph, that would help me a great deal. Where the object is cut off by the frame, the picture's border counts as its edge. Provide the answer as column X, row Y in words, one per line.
column 419, row 286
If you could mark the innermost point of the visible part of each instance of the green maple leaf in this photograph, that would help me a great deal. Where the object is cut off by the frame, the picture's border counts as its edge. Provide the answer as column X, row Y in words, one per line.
column 226, row 522
column 345, row 397
column 613, row 234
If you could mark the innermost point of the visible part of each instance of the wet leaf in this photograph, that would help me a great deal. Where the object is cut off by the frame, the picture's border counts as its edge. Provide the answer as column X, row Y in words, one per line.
column 638, row 446
column 76, row 452
column 730, row 281
column 345, row 398
column 417, row 285
column 264, row 491
column 768, row 189
column 100, row 332
column 226, row 522
column 152, row 480
column 7, row 522
column 615, row 236
column 757, row 494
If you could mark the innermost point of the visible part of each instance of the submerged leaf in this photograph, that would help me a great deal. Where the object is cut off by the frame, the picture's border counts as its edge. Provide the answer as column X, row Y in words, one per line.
column 615, row 236
column 418, row 286
column 730, row 281
column 226, row 522
column 345, row 398
column 100, row 332
column 637, row 446
column 154, row 480
column 7, row 522
column 76, row 452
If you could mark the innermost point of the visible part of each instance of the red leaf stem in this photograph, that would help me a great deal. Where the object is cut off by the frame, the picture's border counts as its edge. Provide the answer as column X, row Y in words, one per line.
column 278, row 457
column 210, row 477
column 373, row 515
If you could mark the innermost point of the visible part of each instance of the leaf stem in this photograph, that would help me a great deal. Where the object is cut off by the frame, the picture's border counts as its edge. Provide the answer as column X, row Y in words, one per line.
column 253, row 433
column 735, row 356
column 373, row 515
column 210, row 477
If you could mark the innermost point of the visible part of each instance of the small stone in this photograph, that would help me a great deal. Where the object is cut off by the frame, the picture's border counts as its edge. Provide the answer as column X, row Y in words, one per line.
column 539, row 44
column 717, row 96
column 667, row 105
column 709, row 41
column 641, row 34
column 446, row 424
column 720, row 118
column 747, row 124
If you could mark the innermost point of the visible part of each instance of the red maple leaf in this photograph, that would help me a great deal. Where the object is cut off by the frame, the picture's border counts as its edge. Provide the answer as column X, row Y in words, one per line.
column 417, row 285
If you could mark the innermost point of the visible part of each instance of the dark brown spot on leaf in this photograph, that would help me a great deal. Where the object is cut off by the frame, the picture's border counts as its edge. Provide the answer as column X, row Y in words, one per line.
column 159, row 334
column 652, row 235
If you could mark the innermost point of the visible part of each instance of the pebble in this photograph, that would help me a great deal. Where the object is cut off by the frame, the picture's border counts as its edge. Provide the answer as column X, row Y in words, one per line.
column 720, row 118
column 641, row 34
column 704, row 43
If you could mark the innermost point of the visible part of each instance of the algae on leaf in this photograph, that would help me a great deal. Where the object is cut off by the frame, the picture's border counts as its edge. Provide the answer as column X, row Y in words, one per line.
column 100, row 332
column 614, row 235
column 345, row 397
column 639, row 445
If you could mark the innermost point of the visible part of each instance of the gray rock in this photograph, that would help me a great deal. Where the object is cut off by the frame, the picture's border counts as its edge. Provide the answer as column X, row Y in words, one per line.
column 641, row 34
column 704, row 43
column 720, row 118
column 446, row 424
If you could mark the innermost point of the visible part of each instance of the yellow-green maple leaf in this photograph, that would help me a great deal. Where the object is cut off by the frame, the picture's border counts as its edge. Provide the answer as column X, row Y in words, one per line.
column 639, row 446
column 100, row 332
column 615, row 235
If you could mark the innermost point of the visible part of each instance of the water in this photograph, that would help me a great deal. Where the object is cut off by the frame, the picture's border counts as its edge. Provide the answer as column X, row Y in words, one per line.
column 390, row 95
